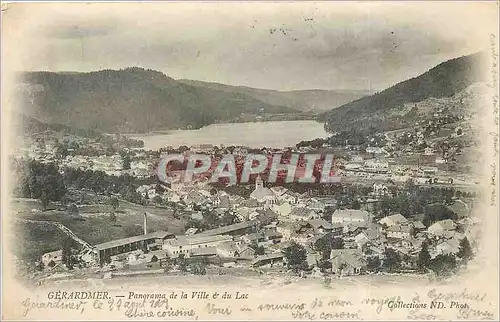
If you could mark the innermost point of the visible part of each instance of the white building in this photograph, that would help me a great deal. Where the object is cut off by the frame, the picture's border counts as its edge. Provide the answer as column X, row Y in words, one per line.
column 186, row 244
column 55, row 256
column 400, row 231
column 439, row 228
column 393, row 220
column 376, row 166
column 262, row 194
column 374, row 150
column 303, row 213
column 282, row 209
column 347, row 216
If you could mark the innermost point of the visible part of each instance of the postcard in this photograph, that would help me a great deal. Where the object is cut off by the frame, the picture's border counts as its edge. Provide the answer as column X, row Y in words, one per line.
column 250, row 160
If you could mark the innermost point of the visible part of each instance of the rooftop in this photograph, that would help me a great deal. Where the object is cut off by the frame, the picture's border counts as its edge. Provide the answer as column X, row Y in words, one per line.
column 351, row 213
column 320, row 223
column 229, row 228
column 130, row 240
column 204, row 251
column 301, row 211
column 446, row 224
column 197, row 239
column 261, row 258
column 262, row 193
column 394, row 219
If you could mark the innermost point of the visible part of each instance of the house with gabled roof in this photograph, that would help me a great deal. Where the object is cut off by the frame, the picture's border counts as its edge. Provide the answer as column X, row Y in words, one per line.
column 460, row 208
column 440, row 228
column 283, row 208
column 372, row 235
column 269, row 259
column 347, row 216
column 418, row 225
column 401, row 231
column 253, row 238
column 303, row 213
column 228, row 249
column 279, row 191
column 347, row 262
column 262, row 194
column 321, row 225
column 448, row 247
column 392, row 220
column 316, row 205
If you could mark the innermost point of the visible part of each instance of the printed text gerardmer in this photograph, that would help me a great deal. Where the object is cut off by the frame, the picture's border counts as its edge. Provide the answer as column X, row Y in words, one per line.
column 63, row 295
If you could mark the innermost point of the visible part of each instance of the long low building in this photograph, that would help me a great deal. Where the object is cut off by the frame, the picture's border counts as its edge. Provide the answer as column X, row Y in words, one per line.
column 238, row 229
column 186, row 244
column 104, row 251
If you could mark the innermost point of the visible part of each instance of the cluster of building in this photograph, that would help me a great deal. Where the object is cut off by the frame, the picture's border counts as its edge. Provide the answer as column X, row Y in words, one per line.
column 274, row 218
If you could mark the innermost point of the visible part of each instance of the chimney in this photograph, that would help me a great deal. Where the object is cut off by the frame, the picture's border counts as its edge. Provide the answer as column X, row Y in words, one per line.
column 145, row 225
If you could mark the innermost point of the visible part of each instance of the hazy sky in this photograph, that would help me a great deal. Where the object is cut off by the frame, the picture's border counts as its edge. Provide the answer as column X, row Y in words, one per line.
column 266, row 45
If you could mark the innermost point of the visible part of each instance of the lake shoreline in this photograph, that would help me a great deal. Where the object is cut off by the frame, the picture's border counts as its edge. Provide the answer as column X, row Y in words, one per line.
column 271, row 134
column 168, row 131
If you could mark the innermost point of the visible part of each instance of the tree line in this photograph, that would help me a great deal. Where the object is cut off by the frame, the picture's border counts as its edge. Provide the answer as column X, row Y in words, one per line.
column 48, row 182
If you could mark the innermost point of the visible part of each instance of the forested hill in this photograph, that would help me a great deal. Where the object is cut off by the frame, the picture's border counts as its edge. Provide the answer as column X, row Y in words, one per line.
column 386, row 110
column 312, row 100
column 131, row 100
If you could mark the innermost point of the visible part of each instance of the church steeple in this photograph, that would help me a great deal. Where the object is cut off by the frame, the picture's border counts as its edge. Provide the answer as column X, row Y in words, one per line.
column 258, row 182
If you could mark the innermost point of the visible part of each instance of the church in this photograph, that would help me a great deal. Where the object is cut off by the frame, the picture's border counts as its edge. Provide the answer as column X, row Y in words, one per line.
column 263, row 194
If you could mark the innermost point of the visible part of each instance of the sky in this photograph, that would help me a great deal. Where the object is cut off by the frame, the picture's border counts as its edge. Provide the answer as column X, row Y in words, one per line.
column 283, row 46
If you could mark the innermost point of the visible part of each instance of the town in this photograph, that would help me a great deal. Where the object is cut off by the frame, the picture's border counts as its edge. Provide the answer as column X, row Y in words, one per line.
column 403, row 205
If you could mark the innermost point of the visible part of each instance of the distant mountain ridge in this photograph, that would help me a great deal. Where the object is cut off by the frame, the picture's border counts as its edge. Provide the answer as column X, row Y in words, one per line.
column 386, row 110
column 315, row 100
column 131, row 100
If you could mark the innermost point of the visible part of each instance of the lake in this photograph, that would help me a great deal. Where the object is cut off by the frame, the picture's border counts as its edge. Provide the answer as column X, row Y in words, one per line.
column 254, row 134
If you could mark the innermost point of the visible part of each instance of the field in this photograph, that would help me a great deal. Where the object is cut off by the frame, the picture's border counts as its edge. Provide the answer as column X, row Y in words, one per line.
column 34, row 239
column 92, row 224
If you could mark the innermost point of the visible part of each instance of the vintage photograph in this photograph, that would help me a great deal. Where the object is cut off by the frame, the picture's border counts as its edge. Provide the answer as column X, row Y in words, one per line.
column 250, row 160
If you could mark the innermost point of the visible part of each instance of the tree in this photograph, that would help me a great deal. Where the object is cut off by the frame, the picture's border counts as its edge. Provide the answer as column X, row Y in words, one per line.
column 154, row 259
column 133, row 230
column 72, row 210
column 40, row 266
column 373, row 264
column 112, row 217
column 67, row 253
column 258, row 250
column 126, row 161
column 61, row 151
column 182, row 263
column 324, row 246
column 157, row 200
column 44, row 200
column 356, row 204
column 198, row 268
column 465, row 250
column 337, row 243
column 228, row 218
column 325, row 265
column 424, row 258
column 113, row 201
column 175, row 210
column 296, row 256
column 392, row 259
column 443, row 265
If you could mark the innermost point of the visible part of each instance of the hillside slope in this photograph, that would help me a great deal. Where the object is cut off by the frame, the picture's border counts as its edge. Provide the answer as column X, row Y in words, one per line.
column 388, row 110
column 315, row 100
column 132, row 100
